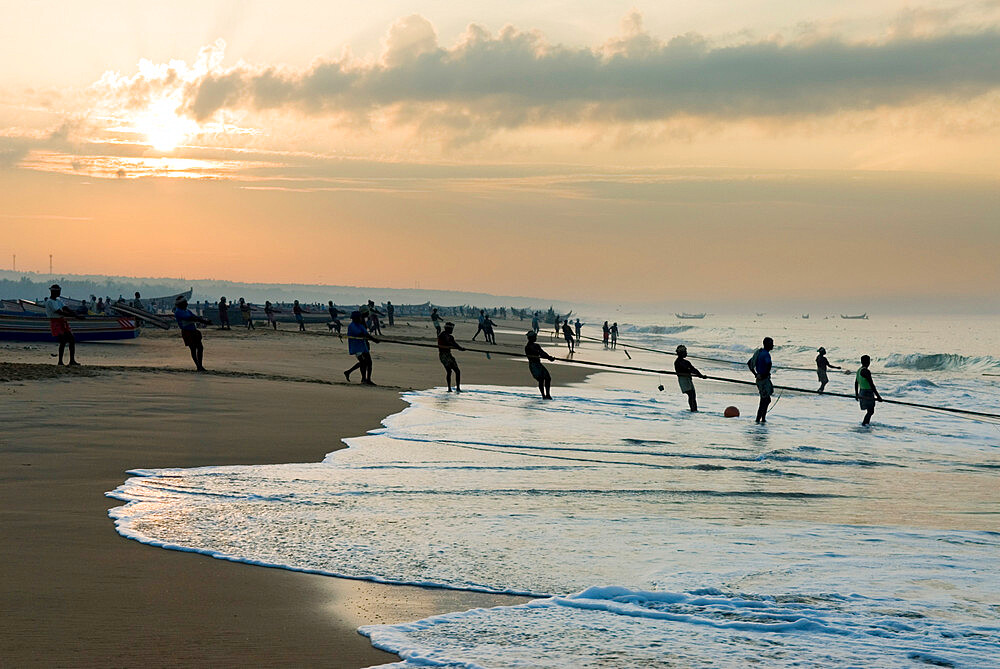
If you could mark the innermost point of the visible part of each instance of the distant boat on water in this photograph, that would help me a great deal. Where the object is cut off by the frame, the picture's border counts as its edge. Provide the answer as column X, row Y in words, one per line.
column 805, row 315
column 689, row 316
column 862, row 317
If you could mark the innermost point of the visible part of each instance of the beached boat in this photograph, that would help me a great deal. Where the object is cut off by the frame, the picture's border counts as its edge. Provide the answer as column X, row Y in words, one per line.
column 690, row 316
column 26, row 321
column 862, row 317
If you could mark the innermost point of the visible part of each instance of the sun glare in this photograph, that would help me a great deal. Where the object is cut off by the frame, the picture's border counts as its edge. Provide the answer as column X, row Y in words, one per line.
column 162, row 127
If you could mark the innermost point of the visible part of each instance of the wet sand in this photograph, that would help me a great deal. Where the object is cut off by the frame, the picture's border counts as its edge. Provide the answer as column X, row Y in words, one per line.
column 75, row 593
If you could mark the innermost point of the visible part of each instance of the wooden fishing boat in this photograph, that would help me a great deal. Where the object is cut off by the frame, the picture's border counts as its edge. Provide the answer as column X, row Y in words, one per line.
column 690, row 316
column 862, row 317
column 25, row 321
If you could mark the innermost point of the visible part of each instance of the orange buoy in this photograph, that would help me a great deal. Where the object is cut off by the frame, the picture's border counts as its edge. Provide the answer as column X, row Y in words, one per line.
column 731, row 412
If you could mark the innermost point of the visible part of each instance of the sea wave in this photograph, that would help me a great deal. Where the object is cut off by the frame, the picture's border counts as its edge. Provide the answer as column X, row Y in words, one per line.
column 942, row 362
column 655, row 329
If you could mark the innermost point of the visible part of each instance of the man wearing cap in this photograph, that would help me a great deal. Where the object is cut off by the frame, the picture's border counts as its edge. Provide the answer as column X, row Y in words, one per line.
column 821, row 365
column 534, row 354
column 685, row 370
column 446, row 344
column 187, row 321
column 57, row 312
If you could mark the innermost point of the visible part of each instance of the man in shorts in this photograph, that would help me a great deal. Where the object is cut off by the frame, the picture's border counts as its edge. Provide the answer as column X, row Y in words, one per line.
column 760, row 365
column 535, row 353
column 436, row 319
column 58, row 312
column 685, row 370
column 821, row 366
column 447, row 344
column 865, row 391
column 187, row 321
column 357, row 345
column 223, row 314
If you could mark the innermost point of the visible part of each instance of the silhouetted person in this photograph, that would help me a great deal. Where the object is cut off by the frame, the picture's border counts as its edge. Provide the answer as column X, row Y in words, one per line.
column 447, row 344
column 269, row 313
column 606, row 333
column 357, row 345
column 567, row 332
column 247, row 315
column 100, row 307
column 190, row 335
column 373, row 323
column 223, row 314
column 760, row 365
column 821, row 365
column 482, row 318
column 865, row 391
column 297, row 310
column 436, row 319
column 57, row 313
column 334, row 323
column 534, row 322
column 491, row 337
column 390, row 312
column 578, row 327
column 535, row 353
column 685, row 370
column 614, row 335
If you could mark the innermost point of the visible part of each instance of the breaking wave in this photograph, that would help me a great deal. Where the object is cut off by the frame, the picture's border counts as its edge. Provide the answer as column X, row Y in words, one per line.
column 942, row 362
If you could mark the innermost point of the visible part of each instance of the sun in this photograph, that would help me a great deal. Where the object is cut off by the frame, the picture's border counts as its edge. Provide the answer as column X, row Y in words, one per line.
column 163, row 128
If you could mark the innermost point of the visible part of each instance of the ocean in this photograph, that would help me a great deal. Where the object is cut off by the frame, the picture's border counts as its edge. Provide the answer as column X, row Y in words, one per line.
column 647, row 535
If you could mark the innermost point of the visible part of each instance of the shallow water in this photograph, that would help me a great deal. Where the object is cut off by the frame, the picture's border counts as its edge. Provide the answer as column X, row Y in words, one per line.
column 651, row 536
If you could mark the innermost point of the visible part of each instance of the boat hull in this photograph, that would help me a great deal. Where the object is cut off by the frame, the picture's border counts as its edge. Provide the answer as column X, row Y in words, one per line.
column 94, row 328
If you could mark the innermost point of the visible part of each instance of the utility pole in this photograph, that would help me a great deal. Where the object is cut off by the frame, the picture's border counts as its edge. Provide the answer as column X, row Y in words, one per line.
column 50, row 263
column 13, row 267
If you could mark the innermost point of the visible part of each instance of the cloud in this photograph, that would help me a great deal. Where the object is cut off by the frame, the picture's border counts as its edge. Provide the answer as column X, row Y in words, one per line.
column 516, row 78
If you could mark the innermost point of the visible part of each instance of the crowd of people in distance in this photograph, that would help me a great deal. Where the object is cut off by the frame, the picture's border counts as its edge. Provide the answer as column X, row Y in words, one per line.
column 365, row 328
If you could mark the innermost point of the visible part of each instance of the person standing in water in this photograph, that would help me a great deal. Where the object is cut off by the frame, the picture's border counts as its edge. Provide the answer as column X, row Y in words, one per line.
column 57, row 313
column 865, row 391
column 357, row 345
column 760, row 365
column 447, row 344
column 190, row 334
column 535, row 353
column 821, row 365
column 614, row 335
column 606, row 333
column 579, row 327
column 685, row 370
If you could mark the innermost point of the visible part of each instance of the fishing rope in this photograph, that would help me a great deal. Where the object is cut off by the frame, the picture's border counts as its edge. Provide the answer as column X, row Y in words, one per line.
column 723, row 379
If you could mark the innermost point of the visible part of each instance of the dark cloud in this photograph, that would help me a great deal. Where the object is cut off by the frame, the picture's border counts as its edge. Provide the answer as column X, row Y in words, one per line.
column 515, row 78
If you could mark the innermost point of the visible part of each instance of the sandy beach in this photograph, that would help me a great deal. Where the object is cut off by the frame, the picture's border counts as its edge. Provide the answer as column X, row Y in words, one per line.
column 75, row 593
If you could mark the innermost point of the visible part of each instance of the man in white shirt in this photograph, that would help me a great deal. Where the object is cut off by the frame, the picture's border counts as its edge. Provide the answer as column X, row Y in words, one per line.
column 57, row 311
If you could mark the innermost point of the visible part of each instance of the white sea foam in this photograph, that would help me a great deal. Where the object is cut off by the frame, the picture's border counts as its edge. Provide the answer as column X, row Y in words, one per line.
column 688, row 539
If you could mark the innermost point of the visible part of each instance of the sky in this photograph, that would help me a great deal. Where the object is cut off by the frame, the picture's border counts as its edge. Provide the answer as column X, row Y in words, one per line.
column 593, row 151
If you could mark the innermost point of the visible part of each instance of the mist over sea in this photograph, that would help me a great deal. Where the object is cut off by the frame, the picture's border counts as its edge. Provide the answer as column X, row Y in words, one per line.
column 647, row 535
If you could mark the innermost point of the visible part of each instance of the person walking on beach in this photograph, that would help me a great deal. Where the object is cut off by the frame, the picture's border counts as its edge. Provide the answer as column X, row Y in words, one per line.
column 390, row 312
column 57, row 313
column 578, row 327
column 357, row 345
column 247, row 315
column 269, row 313
column 482, row 317
column 297, row 310
column 436, row 320
column 373, row 323
column 190, row 334
column 685, row 370
column 760, row 365
column 606, row 333
column 534, row 322
column 865, row 391
column 447, row 344
column 821, row 365
column 614, row 335
column 491, row 337
column 567, row 332
column 535, row 353
column 223, row 314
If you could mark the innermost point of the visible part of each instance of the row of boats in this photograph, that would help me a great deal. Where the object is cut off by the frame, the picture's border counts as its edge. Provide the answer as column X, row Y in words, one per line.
column 24, row 320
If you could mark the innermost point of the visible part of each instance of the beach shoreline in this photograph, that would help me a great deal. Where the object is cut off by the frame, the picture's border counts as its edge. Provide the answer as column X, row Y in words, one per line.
column 78, row 594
